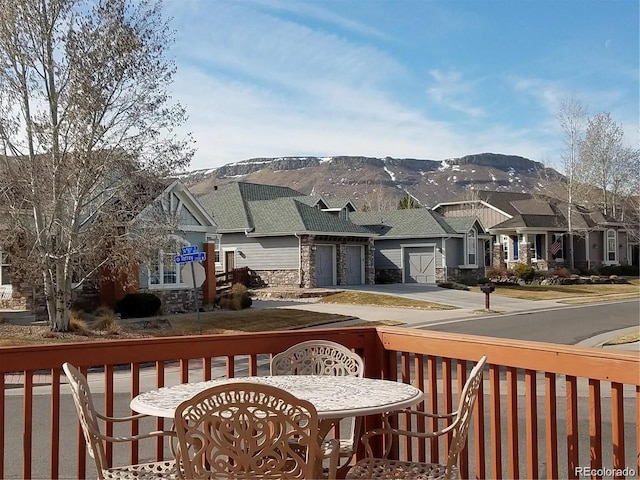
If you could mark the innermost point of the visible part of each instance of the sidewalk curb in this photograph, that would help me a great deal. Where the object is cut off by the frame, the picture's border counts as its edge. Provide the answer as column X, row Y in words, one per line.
column 601, row 339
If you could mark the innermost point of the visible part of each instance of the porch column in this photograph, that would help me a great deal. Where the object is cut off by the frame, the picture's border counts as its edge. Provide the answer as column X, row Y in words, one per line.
column 307, row 262
column 524, row 252
column 209, row 285
column 341, row 266
column 369, row 263
column 498, row 257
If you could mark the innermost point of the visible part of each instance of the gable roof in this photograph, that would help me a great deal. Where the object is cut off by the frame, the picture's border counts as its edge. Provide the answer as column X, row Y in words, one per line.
column 412, row 222
column 464, row 224
column 501, row 201
column 534, row 211
column 258, row 210
column 287, row 215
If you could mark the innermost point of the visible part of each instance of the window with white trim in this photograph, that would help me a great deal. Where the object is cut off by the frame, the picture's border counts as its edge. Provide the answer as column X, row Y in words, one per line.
column 216, row 248
column 471, row 247
column 163, row 271
column 505, row 248
column 5, row 269
column 612, row 241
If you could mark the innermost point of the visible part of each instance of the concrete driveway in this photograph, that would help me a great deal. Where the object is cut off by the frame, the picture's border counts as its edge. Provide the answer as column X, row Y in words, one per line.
column 469, row 304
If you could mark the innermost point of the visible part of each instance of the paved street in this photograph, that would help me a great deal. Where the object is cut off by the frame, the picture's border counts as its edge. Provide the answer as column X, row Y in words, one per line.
column 542, row 320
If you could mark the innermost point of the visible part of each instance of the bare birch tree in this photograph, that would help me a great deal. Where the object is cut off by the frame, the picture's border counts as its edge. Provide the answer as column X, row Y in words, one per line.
column 87, row 129
column 571, row 117
column 605, row 159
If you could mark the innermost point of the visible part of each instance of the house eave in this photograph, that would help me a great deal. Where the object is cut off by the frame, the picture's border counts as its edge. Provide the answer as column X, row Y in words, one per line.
column 333, row 234
column 420, row 237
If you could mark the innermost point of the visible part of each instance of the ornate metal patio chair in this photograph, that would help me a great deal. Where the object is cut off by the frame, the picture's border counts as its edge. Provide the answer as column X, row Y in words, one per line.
column 89, row 419
column 372, row 467
column 247, row 431
column 322, row 357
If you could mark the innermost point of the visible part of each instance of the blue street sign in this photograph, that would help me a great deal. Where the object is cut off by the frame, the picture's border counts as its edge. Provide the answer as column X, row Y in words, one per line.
column 191, row 257
column 189, row 250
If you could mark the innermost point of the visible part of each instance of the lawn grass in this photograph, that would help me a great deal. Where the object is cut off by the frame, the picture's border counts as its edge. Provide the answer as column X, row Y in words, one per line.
column 216, row 322
column 381, row 300
column 249, row 320
column 622, row 339
column 588, row 292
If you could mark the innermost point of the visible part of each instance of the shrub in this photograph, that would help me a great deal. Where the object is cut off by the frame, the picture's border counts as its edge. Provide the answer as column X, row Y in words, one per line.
column 77, row 323
column 383, row 277
column 625, row 270
column 495, row 271
column 106, row 320
column 138, row 305
column 562, row 272
column 524, row 272
column 237, row 298
column 453, row 285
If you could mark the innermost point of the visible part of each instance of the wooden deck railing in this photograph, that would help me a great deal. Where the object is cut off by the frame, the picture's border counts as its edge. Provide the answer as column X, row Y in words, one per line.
column 545, row 411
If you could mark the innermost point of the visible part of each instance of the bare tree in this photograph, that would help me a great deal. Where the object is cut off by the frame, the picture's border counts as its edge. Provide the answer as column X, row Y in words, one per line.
column 604, row 157
column 571, row 117
column 377, row 199
column 86, row 130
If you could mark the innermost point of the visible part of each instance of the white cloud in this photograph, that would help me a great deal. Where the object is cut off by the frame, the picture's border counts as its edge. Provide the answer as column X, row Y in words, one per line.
column 451, row 90
column 315, row 11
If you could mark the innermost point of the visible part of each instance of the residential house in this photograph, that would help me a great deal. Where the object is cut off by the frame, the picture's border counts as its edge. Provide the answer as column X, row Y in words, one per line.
column 287, row 238
column 534, row 229
column 421, row 246
column 162, row 276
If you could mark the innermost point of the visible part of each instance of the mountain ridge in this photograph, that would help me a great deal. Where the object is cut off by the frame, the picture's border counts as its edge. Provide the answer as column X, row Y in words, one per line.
column 379, row 182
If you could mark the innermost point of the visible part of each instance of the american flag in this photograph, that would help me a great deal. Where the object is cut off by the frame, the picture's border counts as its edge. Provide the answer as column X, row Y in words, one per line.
column 555, row 247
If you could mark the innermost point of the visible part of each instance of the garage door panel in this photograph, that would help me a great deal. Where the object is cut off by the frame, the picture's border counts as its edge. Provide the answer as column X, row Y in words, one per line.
column 420, row 265
column 353, row 261
column 324, row 265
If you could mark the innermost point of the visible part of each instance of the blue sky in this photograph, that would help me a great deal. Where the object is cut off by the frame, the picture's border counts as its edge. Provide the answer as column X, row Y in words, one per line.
column 406, row 78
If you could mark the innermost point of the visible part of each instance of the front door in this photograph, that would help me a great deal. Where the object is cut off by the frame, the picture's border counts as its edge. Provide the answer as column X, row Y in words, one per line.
column 229, row 261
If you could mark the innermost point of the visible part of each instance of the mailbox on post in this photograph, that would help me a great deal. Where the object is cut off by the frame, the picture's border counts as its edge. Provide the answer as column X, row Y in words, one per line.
column 487, row 289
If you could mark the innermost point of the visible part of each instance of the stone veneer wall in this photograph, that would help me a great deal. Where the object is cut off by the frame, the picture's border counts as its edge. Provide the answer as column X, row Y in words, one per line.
column 390, row 275
column 262, row 278
column 524, row 252
column 497, row 257
column 462, row 274
column 369, row 265
column 176, row 301
column 341, row 264
column 307, row 263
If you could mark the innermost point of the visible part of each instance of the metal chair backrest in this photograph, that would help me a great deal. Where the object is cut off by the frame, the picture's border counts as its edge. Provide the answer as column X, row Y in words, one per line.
column 247, row 430
column 317, row 357
column 467, row 401
column 87, row 415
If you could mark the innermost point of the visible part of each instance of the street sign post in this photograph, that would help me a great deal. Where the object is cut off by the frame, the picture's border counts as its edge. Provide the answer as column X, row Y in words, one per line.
column 190, row 254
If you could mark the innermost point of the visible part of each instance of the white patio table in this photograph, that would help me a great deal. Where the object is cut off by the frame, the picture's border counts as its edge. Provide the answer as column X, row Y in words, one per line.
column 334, row 397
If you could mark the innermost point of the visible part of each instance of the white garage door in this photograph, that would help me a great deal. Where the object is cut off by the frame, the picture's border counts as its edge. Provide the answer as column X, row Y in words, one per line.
column 420, row 265
column 353, row 262
column 324, row 265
